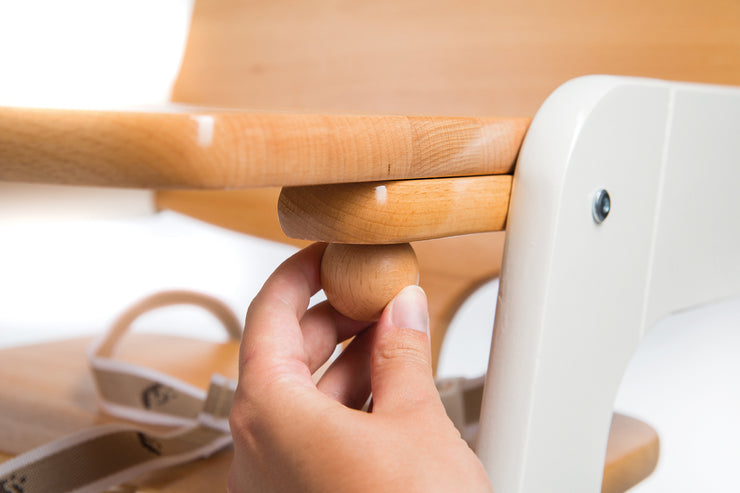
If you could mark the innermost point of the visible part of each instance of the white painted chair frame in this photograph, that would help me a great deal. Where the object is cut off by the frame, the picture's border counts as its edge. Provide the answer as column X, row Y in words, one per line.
column 576, row 296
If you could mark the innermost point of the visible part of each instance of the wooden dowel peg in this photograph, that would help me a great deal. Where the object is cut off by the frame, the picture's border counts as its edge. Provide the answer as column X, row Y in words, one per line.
column 360, row 280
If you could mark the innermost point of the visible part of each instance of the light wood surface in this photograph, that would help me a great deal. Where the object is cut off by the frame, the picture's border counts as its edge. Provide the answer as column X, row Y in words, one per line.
column 395, row 211
column 467, row 261
column 48, row 392
column 633, row 451
column 360, row 280
column 221, row 149
column 444, row 57
column 252, row 211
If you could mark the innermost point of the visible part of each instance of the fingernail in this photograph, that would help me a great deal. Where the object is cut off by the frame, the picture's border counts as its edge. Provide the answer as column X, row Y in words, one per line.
column 409, row 309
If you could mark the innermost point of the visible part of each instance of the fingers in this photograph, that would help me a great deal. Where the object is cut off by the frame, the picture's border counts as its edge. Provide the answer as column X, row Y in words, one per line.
column 272, row 333
column 323, row 328
column 347, row 380
column 277, row 347
column 401, row 360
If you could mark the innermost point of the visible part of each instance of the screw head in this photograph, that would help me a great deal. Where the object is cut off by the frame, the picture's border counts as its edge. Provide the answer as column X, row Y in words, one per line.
column 602, row 206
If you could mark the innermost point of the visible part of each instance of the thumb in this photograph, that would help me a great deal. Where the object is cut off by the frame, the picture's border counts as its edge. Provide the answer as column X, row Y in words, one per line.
column 401, row 356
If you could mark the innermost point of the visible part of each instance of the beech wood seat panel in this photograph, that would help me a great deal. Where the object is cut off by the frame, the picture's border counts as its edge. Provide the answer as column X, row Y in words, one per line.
column 444, row 57
column 203, row 149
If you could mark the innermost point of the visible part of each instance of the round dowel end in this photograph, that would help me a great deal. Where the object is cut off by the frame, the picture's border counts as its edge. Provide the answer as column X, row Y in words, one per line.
column 360, row 280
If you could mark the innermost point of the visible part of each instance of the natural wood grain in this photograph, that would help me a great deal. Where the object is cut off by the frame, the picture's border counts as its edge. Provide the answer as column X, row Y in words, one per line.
column 360, row 280
column 632, row 454
column 252, row 211
column 468, row 261
column 395, row 211
column 445, row 57
column 457, row 57
column 212, row 149
column 48, row 392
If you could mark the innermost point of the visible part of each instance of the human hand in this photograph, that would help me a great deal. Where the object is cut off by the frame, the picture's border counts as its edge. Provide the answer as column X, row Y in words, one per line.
column 293, row 435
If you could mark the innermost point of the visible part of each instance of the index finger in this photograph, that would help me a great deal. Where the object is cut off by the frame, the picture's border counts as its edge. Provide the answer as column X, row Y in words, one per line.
column 272, row 332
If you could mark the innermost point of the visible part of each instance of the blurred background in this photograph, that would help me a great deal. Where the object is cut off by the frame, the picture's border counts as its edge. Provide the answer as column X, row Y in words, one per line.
column 73, row 258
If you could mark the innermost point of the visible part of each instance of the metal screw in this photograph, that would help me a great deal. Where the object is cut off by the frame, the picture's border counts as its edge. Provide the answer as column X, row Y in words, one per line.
column 602, row 206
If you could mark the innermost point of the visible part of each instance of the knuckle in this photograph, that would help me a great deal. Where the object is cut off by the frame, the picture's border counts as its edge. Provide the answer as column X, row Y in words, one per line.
column 241, row 420
column 247, row 418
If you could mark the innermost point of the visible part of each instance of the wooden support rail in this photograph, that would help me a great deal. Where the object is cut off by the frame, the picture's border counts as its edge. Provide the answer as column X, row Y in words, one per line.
column 203, row 149
column 395, row 211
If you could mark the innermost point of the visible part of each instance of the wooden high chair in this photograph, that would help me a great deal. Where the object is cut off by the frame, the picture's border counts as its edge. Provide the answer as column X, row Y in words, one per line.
column 582, row 278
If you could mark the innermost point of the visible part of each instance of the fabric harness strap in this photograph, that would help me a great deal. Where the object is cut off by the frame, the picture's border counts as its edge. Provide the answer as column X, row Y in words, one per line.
column 101, row 457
